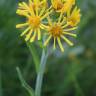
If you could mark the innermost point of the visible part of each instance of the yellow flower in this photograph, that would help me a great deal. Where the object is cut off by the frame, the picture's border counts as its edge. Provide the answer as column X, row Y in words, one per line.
column 34, row 16
column 62, row 5
column 57, row 4
column 57, row 31
column 74, row 16
column 37, row 11
column 67, row 5
column 32, row 5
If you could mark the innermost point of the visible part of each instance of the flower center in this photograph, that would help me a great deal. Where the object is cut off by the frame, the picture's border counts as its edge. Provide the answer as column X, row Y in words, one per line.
column 34, row 21
column 56, row 30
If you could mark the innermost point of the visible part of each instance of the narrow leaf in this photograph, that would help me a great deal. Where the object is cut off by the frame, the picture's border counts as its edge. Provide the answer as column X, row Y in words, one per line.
column 34, row 55
column 24, row 84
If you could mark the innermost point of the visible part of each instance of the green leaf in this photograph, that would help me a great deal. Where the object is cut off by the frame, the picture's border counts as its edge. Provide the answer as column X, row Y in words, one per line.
column 24, row 84
column 34, row 55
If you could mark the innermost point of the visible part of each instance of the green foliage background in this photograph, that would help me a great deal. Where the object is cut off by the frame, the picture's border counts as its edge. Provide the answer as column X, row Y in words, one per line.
column 72, row 73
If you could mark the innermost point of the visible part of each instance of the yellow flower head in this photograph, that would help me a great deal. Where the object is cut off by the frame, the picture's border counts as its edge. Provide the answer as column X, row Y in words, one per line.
column 34, row 17
column 40, row 15
column 74, row 17
column 62, row 5
column 57, row 31
column 57, row 4
column 32, row 5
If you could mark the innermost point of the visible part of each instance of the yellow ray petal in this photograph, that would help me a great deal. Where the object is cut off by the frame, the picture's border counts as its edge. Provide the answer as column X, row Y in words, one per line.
column 60, row 44
column 49, row 21
column 33, row 37
column 47, row 41
column 22, row 13
column 74, row 10
column 30, row 1
column 25, row 31
column 42, row 26
column 21, row 25
column 36, row 10
column 28, row 35
column 71, row 34
column 68, row 41
column 42, row 11
column 39, row 34
column 54, row 47
column 35, row 1
column 25, row 5
column 49, row 9
column 70, row 29
column 28, row 8
column 45, row 15
column 60, row 17
column 63, row 21
column 66, row 25
column 21, row 6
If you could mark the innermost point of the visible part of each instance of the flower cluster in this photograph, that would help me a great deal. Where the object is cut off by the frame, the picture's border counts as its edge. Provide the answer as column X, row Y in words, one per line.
column 56, row 18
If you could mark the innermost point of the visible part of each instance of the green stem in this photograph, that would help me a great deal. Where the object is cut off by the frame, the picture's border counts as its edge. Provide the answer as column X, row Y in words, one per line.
column 41, row 73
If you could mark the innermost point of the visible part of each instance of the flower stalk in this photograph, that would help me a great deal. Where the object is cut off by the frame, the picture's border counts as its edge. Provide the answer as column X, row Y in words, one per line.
column 40, row 74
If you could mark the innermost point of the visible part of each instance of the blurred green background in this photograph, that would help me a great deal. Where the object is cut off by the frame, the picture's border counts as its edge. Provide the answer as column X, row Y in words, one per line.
column 72, row 73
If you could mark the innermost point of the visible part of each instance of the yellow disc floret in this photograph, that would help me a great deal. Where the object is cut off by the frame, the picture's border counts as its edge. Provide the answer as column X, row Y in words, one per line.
column 56, row 30
column 34, row 22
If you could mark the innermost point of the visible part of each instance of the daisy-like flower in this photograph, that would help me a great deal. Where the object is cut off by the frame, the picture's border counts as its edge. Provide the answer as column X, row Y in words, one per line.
column 32, row 5
column 62, row 5
column 35, row 12
column 74, row 17
column 59, row 30
column 57, row 4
